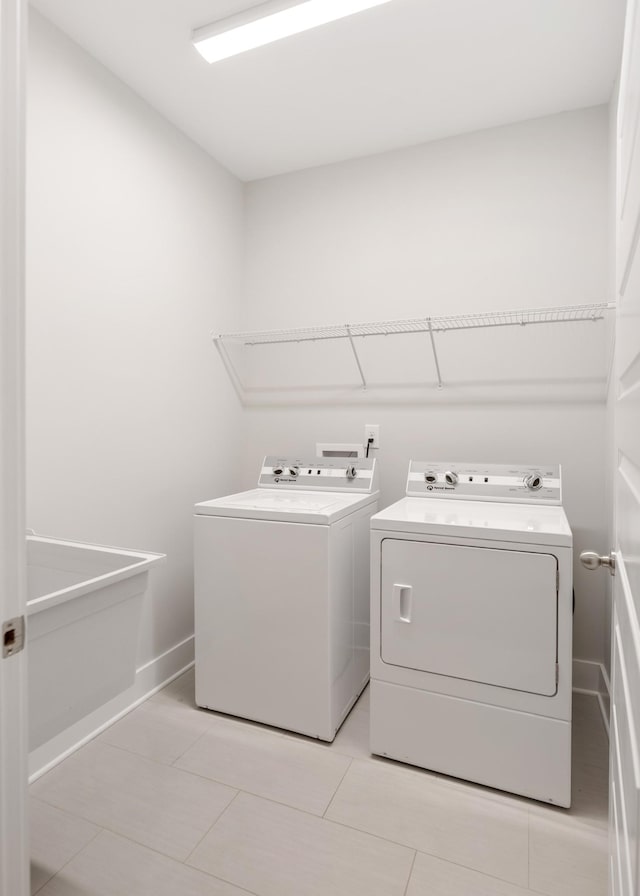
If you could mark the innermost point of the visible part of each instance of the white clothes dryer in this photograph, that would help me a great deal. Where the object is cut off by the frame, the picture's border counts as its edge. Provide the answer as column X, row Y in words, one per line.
column 282, row 595
column 471, row 626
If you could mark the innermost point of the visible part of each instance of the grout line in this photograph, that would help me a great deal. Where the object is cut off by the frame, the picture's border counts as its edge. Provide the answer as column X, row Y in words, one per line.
column 157, row 852
column 333, row 796
column 442, row 782
column 157, row 762
column 415, row 856
column 184, row 752
column 117, row 833
column 71, row 858
column 259, row 796
column 433, row 855
column 310, row 814
column 217, row 877
column 211, row 826
column 153, row 849
column 222, row 880
column 73, row 814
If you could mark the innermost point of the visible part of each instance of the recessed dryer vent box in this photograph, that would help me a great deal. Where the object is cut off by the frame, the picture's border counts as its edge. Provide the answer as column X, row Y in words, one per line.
column 339, row 449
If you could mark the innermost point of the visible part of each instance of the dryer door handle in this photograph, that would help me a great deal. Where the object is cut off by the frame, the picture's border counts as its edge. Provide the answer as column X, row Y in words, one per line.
column 401, row 600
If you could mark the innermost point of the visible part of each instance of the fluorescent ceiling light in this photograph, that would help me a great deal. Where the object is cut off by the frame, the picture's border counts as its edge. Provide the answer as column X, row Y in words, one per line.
column 271, row 21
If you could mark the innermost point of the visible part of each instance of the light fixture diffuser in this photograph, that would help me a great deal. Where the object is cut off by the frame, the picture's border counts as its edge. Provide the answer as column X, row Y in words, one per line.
column 269, row 22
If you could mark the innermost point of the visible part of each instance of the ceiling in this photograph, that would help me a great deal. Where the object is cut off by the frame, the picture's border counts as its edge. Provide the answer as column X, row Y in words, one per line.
column 404, row 73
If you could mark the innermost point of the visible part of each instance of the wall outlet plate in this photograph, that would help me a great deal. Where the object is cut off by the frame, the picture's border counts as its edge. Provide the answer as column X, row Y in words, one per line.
column 372, row 431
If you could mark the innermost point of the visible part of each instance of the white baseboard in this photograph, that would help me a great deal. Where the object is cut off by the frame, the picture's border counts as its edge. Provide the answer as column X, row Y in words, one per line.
column 591, row 678
column 604, row 696
column 150, row 678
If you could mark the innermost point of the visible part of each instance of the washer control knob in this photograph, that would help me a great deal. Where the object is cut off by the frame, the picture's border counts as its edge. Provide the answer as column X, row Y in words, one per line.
column 351, row 472
column 533, row 482
column 430, row 477
column 277, row 471
column 294, row 471
column 451, row 477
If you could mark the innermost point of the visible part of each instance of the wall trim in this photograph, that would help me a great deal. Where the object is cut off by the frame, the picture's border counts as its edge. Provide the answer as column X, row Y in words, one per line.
column 150, row 678
column 591, row 678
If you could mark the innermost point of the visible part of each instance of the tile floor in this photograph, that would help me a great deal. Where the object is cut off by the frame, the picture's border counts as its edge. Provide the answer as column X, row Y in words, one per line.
column 176, row 801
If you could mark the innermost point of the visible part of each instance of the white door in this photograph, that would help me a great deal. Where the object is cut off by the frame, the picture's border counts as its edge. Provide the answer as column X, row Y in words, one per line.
column 482, row 614
column 625, row 711
column 14, row 856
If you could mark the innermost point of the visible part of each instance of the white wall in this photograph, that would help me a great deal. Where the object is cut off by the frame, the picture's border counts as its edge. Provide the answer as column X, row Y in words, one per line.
column 512, row 217
column 134, row 247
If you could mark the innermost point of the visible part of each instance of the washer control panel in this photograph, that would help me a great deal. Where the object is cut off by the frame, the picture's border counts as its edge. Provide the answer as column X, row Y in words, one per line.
column 348, row 474
column 486, row 482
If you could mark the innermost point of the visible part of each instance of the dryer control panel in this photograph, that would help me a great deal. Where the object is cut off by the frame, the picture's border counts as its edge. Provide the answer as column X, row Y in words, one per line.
column 523, row 484
column 335, row 474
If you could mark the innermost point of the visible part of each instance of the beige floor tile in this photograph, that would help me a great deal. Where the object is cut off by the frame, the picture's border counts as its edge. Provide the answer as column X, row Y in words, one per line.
column 589, row 799
column 113, row 866
column 437, row 817
column 567, row 859
column 158, row 730
column 155, row 805
column 363, row 700
column 273, row 850
column 55, row 838
column 435, row 877
column 589, row 795
column 353, row 737
column 180, row 690
column 289, row 770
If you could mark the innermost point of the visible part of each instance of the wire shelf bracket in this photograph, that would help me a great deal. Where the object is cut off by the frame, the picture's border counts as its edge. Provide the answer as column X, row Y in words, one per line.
column 355, row 355
column 431, row 325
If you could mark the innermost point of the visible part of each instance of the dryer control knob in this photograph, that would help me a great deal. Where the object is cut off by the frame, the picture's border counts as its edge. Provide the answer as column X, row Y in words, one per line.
column 533, row 482
column 450, row 477
column 277, row 471
column 430, row 477
column 351, row 472
column 294, row 471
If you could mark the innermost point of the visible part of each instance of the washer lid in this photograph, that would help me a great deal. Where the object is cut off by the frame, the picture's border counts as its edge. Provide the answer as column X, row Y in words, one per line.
column 531, row 524
column 287, row 506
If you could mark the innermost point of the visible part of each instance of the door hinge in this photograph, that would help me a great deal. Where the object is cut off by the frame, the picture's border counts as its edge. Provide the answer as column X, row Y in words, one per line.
column 12, row 636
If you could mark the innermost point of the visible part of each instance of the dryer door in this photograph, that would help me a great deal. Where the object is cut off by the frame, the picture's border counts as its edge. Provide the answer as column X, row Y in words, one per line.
column 482, row 614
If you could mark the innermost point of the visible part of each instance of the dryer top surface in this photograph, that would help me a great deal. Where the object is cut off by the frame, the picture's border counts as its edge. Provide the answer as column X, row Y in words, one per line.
column 525, row 523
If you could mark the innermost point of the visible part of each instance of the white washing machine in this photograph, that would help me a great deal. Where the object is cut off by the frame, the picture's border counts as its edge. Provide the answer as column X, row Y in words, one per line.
column 471, row 626
column 282, row 595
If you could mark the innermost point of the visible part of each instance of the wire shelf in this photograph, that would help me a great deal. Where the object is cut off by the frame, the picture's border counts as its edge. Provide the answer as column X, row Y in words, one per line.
column 431, row 325
column 520, row 317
